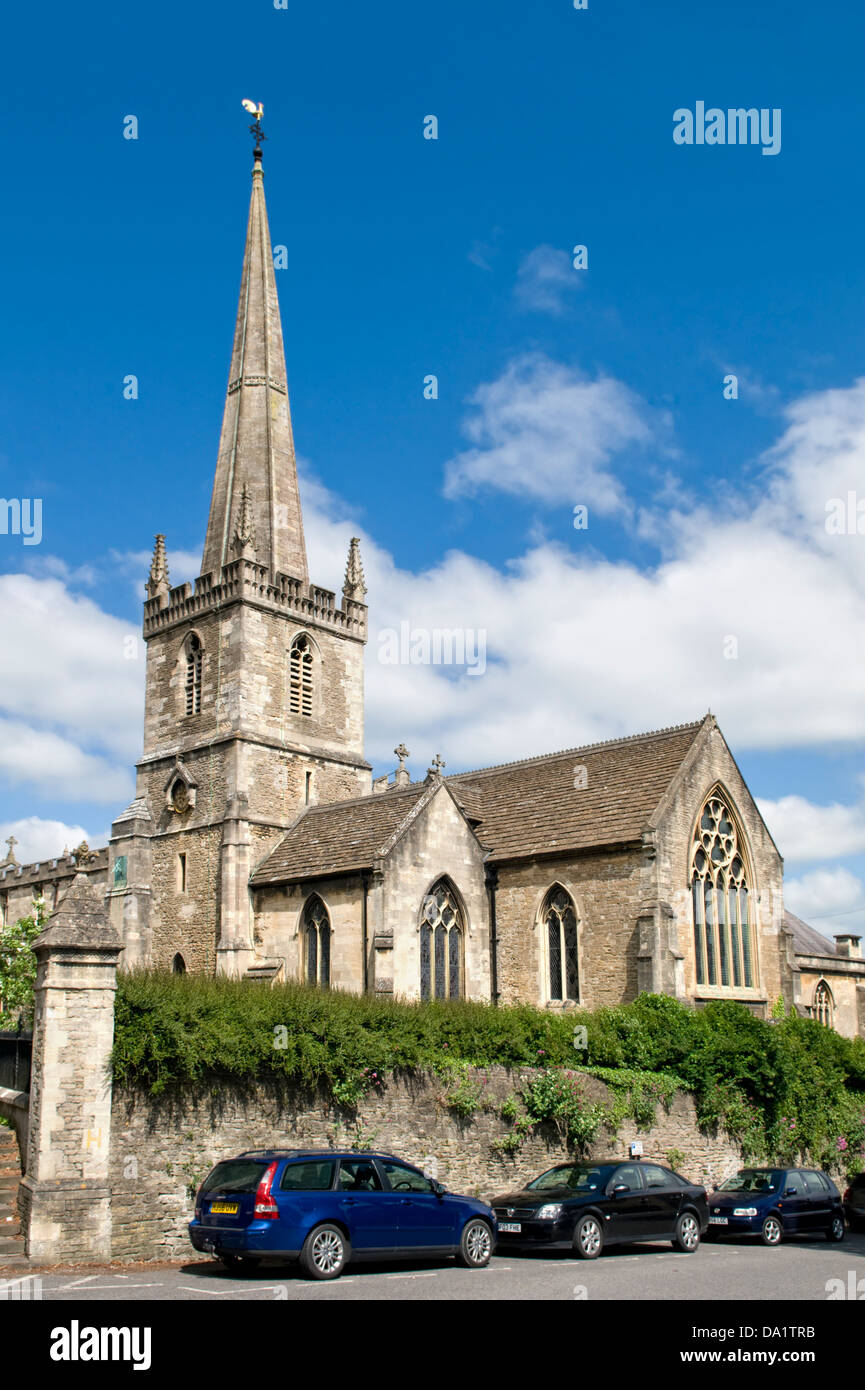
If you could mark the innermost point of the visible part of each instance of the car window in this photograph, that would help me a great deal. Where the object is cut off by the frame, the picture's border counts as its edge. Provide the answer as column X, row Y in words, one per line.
column 578, row 1177
column 358, row 1175
column 308, row 1177
column 629, row 1176
column 405, row 1179
column 657, row 1177
column 814, row 1184
column 752, row 1180
column 238, row 1175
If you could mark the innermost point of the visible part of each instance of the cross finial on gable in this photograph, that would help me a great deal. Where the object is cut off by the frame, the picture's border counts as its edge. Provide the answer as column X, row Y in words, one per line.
column 438, row 763
column 402, row 753
column 11, row 843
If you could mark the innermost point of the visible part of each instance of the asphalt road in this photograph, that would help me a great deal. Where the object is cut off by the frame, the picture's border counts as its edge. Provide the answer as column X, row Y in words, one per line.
column 718, row 1271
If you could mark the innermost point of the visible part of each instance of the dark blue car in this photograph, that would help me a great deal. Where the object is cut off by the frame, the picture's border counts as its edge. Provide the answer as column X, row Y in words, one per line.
column 776, row 1202
column 326, row 1208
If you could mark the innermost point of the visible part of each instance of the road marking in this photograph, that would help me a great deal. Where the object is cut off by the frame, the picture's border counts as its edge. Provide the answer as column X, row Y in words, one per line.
column 77, row 1282
column 104, row 1288
column 432, row 1274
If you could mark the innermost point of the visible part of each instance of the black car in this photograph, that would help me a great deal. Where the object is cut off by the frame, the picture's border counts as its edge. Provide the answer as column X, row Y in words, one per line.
column 776, row 1202
column 854, row 1203
column 584, row 1207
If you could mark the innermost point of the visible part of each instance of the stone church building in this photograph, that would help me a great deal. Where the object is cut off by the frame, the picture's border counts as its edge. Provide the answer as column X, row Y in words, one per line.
column 258, row 845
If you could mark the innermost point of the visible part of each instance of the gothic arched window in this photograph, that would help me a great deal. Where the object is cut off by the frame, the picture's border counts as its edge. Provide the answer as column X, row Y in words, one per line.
column 178, row 965
column 724, row 942
column 300, row 675
column 560, row 924
column 824, row 1005
column 194, row 660
column 441, row 944
column 316, row 942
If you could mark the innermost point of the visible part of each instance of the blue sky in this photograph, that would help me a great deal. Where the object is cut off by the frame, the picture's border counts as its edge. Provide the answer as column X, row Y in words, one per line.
column 556, row 386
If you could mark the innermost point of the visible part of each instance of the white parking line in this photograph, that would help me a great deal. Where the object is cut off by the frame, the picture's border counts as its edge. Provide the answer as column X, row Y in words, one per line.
column 77, row 1282
column 431, row 1274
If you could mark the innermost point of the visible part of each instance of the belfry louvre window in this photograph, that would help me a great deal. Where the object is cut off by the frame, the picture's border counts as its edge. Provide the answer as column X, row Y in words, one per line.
column 300, row 676
column 441, row 944
column 724, row 940
column 560, row 924
column 316, row 942
column 194, row 658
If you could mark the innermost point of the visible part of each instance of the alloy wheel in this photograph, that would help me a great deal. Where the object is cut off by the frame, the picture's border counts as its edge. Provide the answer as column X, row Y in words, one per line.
column 689, row 1232
column 327, row 1251
column 478, row 1244
column 589, row 1237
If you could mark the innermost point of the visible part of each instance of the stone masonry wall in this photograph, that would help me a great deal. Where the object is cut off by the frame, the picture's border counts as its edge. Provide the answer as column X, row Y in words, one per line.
column 162, row 1149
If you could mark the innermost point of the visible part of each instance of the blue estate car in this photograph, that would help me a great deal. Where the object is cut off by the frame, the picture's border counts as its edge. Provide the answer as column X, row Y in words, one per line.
column 775, row 1202
column 325, row 1208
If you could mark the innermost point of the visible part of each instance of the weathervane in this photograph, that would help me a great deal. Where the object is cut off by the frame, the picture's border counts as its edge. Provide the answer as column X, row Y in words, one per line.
column 257, row 110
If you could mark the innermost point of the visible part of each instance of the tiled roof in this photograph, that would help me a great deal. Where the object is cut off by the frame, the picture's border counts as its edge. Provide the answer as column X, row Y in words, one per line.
column 533, row 807
column 520, row 809
column 807, row 941
column 339, row 838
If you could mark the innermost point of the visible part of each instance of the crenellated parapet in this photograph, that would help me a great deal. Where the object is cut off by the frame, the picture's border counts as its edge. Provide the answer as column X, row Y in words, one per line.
column 245, row 581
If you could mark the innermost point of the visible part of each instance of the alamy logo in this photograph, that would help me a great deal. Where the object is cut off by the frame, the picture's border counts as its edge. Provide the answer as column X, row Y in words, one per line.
column 76, row 1343
column 438, row 646
column 21, row 516
column 735, row 126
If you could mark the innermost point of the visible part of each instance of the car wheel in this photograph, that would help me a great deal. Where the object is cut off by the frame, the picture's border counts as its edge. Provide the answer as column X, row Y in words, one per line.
column 476, row 1245
column 240, row 1264
column 325, row 1253
column 687, row 1238
column 837, row 1230
column 771, row 1232
column 588, row 1238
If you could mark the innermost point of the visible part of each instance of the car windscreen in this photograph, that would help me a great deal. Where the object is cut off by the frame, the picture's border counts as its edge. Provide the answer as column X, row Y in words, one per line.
column 575, row 1177
column 753, row 1180
column 237, row 1175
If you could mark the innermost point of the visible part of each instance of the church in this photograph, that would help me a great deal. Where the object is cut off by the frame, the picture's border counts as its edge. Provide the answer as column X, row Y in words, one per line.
column 259, row 846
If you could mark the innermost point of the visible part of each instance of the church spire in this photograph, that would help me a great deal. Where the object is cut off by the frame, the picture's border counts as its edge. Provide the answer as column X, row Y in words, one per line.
column 354, row 586
column 256, row 448
column 158, row 584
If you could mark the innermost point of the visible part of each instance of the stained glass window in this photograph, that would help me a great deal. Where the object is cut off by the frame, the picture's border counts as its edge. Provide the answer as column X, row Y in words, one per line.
column 441, row 944
column 561, row 924
column 316, row 934
column 823, row 1004
column 724, row 952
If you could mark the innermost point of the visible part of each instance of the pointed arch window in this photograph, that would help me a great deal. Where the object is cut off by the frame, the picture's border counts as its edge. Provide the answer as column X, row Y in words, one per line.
column 823, row 1008
column 560, row 924
column 724, row 939
column 178, row 965
column 441, row 944
column 301, row 675
column 316, row 935
column 194, row 662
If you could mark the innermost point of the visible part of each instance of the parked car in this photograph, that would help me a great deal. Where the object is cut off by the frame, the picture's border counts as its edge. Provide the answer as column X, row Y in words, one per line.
column 327, row 1208
column 854, row 1202
column 776, row 1202
column 584, row 1207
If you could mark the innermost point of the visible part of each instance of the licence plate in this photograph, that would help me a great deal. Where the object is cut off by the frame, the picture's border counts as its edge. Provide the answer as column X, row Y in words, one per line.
column 512, row 1227
column 719, row 1221
column 224, row 1208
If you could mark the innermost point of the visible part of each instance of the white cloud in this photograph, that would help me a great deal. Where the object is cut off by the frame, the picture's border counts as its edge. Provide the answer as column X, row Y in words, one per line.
column 832, row 900
column 803, row 830
column 183, row 565
column 546, row 431
column 546, row 279
column 46, row 839
column 58, row 766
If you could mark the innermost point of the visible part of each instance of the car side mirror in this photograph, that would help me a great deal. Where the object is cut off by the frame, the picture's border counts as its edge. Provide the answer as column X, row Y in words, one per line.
column 438, row 1188
column 619, row 1188
column 791, row 1192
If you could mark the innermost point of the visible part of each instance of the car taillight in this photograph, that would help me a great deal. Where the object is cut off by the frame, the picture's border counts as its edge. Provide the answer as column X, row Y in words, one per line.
column 265, row 1205
column 848, row 1195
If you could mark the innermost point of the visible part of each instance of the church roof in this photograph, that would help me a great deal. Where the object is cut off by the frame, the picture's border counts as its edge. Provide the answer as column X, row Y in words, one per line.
column 807, row 941
column 339, row 838
column 518, row 810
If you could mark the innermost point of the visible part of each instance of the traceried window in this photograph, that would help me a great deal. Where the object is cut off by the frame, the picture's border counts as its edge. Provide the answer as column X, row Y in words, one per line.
column 300, row 676
column 316, row 942
column 441, row 944
column 823, row 1006
column 724, row 939
column 560, row 924
column 194, row 660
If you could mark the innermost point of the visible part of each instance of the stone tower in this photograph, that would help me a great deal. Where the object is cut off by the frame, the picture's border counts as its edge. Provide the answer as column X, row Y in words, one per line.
column 254, row 690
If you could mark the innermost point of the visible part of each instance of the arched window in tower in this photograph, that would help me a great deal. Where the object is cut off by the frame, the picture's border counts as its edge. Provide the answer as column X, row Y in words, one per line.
column 178, row 965
column 300, row 675
column 194, row 660
column 441, row 944
column 316, row 942
column 560, row 924
column 823, row 1008
column 724, row 938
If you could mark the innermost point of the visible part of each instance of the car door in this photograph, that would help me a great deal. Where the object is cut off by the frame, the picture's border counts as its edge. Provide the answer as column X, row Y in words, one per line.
column 662, row 1202
column 794, row 1202
column 369, row 1211
column 425, row 1220
column 819, row 1203
column 625, row 1215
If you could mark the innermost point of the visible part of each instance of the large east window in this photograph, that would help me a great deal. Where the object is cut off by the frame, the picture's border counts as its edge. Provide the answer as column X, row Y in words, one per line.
column 441, row 944
column 724, row 938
